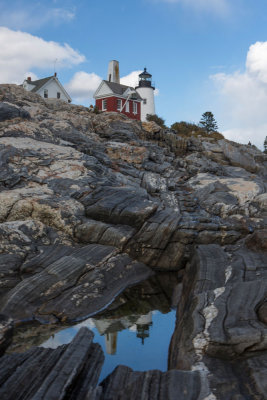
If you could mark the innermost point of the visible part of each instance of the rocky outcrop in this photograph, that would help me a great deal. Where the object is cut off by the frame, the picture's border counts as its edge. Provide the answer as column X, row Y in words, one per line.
column 222, row 316
column 68, row 372
column 124, row 384
column 8, row 111
column 91, row 204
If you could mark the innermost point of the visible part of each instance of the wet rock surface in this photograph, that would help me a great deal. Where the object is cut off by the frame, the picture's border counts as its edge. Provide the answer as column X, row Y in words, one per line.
column 66, row 372
column 92, row 204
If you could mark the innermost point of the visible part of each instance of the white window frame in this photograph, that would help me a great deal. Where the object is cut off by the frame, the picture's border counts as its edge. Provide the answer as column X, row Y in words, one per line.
column 127, row 107
column 46, row 93
column 58, row 95
column 119, row 104
column 135, row 109
column 104, row 104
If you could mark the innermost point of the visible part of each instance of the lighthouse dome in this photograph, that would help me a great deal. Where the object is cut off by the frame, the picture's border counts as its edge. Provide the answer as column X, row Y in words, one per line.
column 145, row 79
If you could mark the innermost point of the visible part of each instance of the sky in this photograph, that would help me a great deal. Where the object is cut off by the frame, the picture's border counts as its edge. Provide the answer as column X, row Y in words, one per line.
column 204, row 55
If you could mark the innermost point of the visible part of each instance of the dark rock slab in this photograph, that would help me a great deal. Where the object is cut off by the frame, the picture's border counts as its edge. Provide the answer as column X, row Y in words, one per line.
column 6, row 332
column 220, row 319
column 98, row 232
column 239, row 156
column 241, row 379
column 9, row 271
column 154, row 244
column 69, row 282
column 120, row 205
column 66, row 372
column 7, row 111
column 124, row 383
column 117, row 131
column 96, row 289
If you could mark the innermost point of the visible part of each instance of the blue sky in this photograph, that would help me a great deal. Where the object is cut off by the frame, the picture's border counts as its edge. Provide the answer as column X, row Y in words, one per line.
column 204, row 55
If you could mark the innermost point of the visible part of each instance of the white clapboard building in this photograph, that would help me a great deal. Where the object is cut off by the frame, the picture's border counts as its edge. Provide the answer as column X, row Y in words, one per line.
column 48, row 88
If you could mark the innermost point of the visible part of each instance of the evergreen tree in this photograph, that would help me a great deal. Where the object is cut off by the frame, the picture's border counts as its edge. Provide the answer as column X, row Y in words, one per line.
column 265, row 145
column 208, row 122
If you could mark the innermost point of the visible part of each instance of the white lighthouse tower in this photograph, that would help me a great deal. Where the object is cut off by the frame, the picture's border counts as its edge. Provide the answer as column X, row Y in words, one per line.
column 146, row 91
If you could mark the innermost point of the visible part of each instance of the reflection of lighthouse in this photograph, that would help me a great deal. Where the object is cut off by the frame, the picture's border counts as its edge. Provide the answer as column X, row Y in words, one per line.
column 111, row 342
column 142, row 326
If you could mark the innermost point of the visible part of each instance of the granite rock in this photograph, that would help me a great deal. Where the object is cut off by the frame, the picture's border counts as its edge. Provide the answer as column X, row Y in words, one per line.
column 91, row 204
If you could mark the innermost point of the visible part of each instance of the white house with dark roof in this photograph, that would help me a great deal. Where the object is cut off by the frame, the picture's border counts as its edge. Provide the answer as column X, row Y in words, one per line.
column 48, row 88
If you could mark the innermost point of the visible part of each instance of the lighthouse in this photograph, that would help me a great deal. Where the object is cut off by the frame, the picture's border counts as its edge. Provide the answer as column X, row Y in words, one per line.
column 146, row 91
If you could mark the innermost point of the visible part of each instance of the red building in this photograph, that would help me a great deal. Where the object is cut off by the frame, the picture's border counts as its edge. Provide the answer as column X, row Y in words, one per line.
column 112, row 96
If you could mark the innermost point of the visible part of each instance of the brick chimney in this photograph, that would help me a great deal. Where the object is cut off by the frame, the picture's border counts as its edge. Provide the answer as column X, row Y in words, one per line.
column 29, row 79
column 55, row 74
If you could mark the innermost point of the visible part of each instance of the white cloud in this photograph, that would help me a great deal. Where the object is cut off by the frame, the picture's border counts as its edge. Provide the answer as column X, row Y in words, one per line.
column 217, row 6
column 244, row 98
column 34, row 16
column 83, row 85
column 131, row 79
column 21, row 52
column 257, row 61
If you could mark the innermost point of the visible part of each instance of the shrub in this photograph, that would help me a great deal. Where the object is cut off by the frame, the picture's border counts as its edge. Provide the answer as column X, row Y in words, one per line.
column 187, row 129
column 184, row 129
column 157, row 119
column 96, row 110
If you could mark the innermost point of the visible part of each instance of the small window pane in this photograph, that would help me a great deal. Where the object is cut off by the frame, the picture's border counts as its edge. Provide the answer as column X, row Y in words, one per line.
column 118, row 104
column 58, row 95
column 45, row 93
column 127, row 108
column 104, row 105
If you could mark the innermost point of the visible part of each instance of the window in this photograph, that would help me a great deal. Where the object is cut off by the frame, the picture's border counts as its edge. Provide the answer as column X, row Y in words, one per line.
column 118, row 104
column 127, row 108
column 46, row 94
column 144, row 101
column 104, row 105
column 58, row 95
column 134, row 107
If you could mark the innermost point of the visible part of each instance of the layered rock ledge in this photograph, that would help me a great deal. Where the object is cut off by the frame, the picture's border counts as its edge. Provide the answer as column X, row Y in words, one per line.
column 91, row 204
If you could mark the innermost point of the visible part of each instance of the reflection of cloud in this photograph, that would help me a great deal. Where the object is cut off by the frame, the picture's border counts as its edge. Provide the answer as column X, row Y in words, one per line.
column 66, row 335
column 60, row 338
column 88, row 323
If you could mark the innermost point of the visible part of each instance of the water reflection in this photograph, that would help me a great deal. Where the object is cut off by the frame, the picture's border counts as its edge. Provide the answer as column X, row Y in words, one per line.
column 139, row 341
column 135, row 330
column 110, row 328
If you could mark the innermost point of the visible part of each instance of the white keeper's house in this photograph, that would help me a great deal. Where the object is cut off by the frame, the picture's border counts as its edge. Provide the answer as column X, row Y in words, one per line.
column 48, row 88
